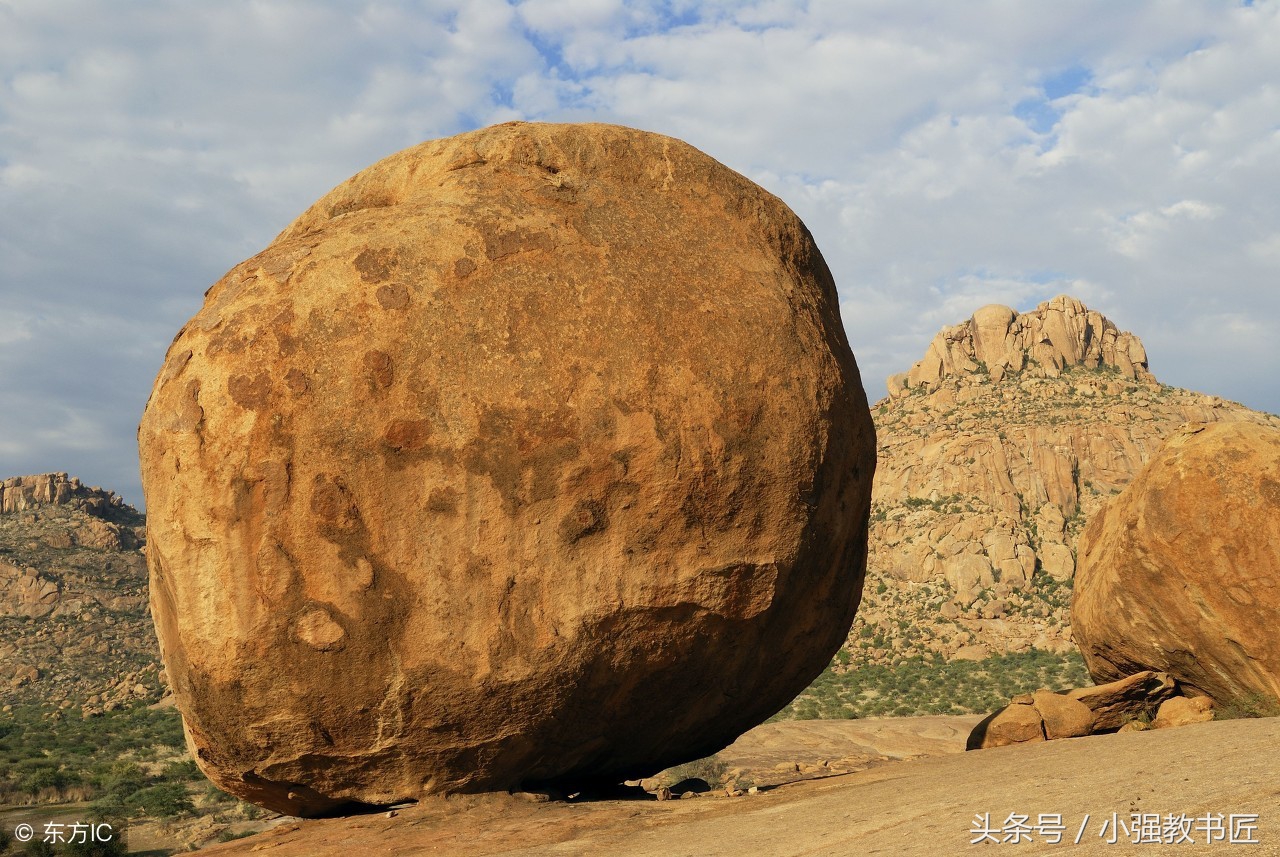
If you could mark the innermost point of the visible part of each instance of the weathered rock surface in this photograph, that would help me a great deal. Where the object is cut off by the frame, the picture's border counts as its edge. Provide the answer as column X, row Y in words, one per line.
column 1064, row 717
column 1030, row 717
column 1181, row 571
column 1019, row 722
column 532, row 455
column 984, row 483
column 920, row 808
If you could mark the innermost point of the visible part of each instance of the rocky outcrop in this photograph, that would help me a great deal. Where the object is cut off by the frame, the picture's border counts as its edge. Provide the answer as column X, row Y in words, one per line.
column 43, row 519
column 27, row 493
column 27, row 592
column 73, row 604
column 530, row 456
column 1043, row 343
column 984, row 484
column 1017, row 723
column 1181, row 571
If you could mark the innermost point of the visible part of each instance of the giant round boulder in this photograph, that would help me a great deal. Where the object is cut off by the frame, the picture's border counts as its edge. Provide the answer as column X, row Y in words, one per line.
column 1180, row 573
column 531, row 456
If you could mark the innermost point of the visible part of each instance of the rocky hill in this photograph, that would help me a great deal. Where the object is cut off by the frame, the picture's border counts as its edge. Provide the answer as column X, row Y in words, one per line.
column 74, row 626
column 994, row 449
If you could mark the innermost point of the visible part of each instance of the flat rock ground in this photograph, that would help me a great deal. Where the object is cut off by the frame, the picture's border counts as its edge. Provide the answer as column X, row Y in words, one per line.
column 910, row 790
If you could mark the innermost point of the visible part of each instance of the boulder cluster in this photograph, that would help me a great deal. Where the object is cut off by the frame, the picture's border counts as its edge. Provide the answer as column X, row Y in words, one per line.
column 1144, row 700
column 1176, row 596
column 28, row 493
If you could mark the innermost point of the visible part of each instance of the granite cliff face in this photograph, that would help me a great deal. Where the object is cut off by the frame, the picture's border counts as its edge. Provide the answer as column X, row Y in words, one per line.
column 993, row 453
column 74, row 625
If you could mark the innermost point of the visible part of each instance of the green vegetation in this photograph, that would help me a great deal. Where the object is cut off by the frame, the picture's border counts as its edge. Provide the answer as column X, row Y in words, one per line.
column 114, row 760
column 950, row 504
column 126, row 764
column 930, row 685
column 1253, row 705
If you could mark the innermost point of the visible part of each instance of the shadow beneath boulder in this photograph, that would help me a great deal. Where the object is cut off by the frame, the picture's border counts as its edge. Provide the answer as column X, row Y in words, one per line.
column 979, row 733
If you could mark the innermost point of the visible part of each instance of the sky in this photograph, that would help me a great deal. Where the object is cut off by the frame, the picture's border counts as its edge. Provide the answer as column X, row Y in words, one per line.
column 944, row 155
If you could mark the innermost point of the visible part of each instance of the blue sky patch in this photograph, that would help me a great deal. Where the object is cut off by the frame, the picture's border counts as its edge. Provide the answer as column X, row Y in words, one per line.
column 1039, row 115
column 1066, row 82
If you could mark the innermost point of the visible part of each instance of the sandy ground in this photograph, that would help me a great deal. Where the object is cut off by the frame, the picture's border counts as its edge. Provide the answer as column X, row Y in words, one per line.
column 915, row 792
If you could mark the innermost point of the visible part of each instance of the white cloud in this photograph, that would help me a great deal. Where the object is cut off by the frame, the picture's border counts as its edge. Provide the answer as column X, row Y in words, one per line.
column 1267, row 249
column 560, row 16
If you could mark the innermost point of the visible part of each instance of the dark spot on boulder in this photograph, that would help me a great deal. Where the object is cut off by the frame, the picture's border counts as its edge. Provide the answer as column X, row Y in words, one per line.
column 227, row 340
column 1270, row 490
column 407, row 435
column 393, row 296
column 296, row 381
column 588, row 517
column 250, row 393
column 499, row 243
column 375, row 266
column 443, row 501
column 380, row 368
column 334, row 506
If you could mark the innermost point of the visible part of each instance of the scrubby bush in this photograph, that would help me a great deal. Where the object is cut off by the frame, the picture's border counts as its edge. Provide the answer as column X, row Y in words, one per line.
column 163, row 800
column 1251, row 705
column 44, row 759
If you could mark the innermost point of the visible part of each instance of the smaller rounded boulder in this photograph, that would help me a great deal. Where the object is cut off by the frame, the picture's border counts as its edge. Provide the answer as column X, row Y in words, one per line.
column 1180, row 573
